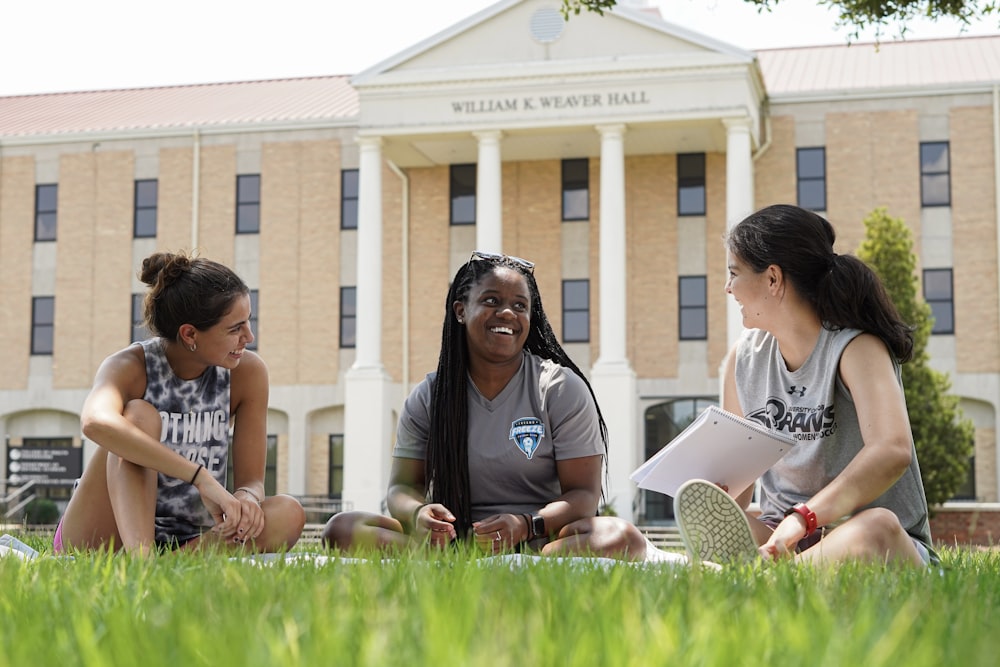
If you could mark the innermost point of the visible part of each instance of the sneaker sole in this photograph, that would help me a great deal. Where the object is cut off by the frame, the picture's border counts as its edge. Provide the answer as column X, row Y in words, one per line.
column 712, row 525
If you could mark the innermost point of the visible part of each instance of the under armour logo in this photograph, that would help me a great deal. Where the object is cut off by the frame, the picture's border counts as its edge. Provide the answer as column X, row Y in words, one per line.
column 794, row 390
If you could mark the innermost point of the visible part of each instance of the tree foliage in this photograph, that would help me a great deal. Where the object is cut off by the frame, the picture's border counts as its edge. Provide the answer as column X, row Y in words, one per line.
column 856, row 14
column 943, row 437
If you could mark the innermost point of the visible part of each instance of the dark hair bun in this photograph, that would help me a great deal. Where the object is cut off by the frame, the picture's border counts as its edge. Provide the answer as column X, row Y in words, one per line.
column 164, row 266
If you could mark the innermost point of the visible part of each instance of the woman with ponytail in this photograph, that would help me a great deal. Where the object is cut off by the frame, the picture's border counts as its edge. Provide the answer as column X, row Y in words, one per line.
column 819, row 360
column 160, row 412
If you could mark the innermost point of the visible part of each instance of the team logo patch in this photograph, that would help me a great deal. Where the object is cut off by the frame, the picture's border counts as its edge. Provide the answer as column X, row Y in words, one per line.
column 526, row 433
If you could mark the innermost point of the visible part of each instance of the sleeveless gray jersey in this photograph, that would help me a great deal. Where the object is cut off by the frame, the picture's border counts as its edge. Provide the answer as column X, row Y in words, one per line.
column 545, row 414
column 195, row 417
column 813, row 405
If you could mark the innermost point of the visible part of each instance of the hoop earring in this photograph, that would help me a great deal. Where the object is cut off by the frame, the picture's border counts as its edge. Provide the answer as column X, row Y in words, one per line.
column 193, row 347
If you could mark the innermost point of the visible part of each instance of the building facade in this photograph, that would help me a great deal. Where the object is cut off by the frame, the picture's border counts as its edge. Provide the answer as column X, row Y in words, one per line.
column 613, row 151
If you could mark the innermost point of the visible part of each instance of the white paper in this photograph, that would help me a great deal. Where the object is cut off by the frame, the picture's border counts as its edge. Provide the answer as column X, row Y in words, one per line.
column 718, row 447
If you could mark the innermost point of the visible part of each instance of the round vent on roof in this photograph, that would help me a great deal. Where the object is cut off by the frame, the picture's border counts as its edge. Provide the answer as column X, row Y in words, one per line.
column 547, row 25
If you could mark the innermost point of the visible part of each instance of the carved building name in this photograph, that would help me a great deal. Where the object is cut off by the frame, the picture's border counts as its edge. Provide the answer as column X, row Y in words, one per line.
column 538, row 102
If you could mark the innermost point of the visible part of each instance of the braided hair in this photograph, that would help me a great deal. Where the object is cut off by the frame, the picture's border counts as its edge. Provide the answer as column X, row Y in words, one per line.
column 447, row 464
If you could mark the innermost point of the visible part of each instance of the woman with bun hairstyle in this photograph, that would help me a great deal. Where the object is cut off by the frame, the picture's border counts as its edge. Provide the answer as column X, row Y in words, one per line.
column 161, row 411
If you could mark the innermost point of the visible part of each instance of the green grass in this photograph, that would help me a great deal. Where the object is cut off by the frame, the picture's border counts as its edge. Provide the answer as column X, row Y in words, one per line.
column 450, row 609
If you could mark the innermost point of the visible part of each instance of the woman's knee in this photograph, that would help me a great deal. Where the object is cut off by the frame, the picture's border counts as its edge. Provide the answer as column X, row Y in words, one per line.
column 338, row 533
column 286, row 518
column 145, row 416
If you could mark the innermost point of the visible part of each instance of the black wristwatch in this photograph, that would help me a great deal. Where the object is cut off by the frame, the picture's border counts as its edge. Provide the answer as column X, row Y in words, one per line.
column 538, row 526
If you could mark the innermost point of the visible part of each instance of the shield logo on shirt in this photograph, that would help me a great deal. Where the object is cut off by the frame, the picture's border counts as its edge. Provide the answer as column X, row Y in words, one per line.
column 526, row 433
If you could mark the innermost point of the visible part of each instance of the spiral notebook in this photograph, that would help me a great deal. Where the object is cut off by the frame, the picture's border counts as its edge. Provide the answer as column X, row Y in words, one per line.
column 717, row 446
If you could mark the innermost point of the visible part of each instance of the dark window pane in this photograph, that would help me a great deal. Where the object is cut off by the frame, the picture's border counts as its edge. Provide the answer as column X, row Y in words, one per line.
column 944, row 318
column 576, row 205
column 811, row 162
column 248, row 218
column 248, row 188
column 693, row 291
column 146, row 193
column 575, row 189
column 45, row 227
column 463, row 194
column 694, row 324
column 934, row 157
column 349, row 199
column 576, row 326
column 937, row 284
column 145, row 223
column 348, row 319
column 812, row 195
column 935, row 190
column 691, row 168
column 576, row 294
column 42, row 324
column 691, row 200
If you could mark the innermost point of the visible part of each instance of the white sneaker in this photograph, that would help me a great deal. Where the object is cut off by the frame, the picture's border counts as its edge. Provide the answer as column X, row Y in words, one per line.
column 713, row 526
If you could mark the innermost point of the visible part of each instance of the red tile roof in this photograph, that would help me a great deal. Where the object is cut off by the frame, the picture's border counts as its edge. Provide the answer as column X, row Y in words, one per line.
column 276, row 101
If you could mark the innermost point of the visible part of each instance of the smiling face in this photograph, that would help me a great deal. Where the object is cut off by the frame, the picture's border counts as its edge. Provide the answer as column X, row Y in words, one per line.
column 750, row 289
column 224, row 343
column 496, row 315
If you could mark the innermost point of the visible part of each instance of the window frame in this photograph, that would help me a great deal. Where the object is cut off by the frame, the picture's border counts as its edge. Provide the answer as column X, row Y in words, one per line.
column 457, row 189
column 348, row 317
column 928, row 173
column 686, row 310
column 572, row 185
column 39, row 326
column 247, row 202
column 689, row 184
column 935, row 302
column 568, row 310
column 806, row 180
column 40, row 211
column 348, row 196
column 140, row 210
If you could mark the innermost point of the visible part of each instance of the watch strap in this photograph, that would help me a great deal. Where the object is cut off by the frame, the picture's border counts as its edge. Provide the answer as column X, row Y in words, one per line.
column 807, row 514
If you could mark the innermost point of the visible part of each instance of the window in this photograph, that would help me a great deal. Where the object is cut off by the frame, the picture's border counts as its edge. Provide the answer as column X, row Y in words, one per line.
column 576, row 189
column 42, row 324
column 967, row 489
column 335, row 486
column 463, row 194
column 248, row 204
column 348, row 316
column 810, row 169
column 146, row 195
column 691, row 184
column 935, row 174
column 139, row 329
column 46, row 201
column 576, row 311
column 254, row 318
column 349, row 199
column 693, row 307
column 939, row 296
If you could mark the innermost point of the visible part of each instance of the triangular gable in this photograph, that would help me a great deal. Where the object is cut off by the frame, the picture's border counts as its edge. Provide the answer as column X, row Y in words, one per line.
column 520, row 32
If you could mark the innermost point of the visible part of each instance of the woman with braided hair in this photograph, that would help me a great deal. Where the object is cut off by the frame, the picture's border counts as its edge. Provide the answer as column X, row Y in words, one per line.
column 160, row 412
column 504, row 444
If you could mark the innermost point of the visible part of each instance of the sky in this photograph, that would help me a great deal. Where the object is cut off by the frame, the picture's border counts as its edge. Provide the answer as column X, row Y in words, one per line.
column 68, row 45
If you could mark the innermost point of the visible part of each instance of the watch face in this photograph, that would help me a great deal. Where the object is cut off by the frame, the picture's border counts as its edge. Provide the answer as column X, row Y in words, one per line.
column 538, row 525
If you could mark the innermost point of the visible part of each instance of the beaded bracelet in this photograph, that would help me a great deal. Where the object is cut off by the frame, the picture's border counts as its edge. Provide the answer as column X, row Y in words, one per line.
column 250, row 492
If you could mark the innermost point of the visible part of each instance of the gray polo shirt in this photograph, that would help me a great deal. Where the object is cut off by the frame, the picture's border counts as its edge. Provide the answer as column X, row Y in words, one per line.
column 545, row 414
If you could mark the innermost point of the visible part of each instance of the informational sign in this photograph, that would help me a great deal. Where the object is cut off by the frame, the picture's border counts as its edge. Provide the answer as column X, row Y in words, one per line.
column 46, row 466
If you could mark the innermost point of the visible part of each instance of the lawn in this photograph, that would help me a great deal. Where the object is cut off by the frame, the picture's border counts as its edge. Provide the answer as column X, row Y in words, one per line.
column 453, row 608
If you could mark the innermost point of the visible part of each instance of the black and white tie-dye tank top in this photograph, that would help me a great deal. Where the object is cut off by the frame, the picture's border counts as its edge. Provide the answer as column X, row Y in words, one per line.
column 195, row 417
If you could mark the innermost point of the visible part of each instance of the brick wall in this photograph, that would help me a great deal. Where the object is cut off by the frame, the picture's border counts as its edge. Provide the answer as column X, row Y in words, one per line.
column 966, row 524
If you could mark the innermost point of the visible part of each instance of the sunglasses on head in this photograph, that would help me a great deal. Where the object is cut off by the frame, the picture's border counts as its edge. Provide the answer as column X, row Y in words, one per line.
column 497, row 257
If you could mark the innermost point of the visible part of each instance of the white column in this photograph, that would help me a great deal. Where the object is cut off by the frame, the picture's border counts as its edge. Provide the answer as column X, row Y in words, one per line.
column 489, row 200
column 612, row 376
column 739, row 199
column 367, row 413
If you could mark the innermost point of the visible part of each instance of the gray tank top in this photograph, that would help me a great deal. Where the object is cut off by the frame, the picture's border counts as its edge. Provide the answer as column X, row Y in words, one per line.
column 813, row 405
column 195, row 417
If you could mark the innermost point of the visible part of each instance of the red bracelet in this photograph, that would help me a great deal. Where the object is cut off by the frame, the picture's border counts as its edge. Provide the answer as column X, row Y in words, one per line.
column 810, row 517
